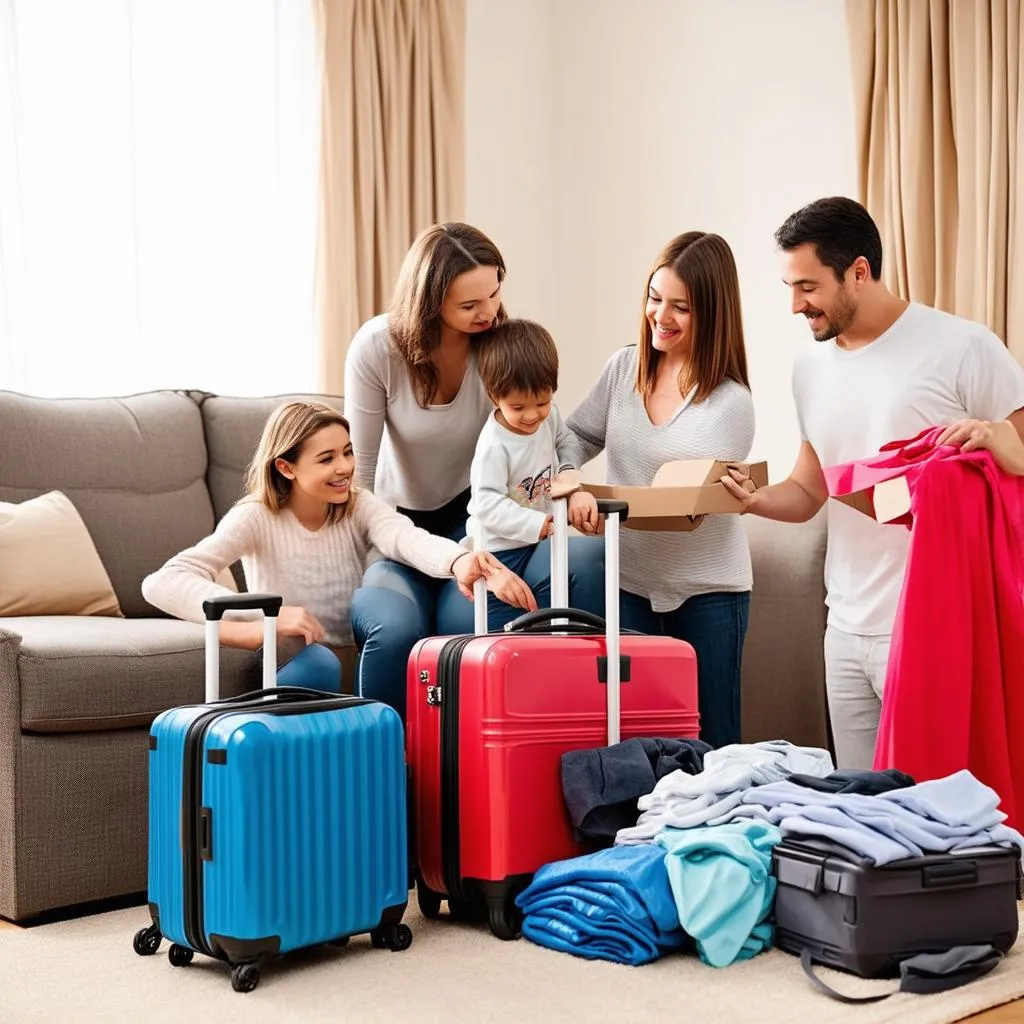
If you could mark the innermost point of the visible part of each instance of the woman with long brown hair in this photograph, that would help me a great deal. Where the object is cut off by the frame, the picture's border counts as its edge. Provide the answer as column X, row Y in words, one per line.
column 417, row 405
column 682, row 393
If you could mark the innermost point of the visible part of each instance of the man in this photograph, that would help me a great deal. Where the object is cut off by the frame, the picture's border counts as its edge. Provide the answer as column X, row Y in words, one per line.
column 883, row 370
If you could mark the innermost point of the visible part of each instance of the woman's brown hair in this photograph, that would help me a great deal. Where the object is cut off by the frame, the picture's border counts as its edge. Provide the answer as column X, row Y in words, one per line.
column 439, row 255
column 287, row 429
column 705, row 264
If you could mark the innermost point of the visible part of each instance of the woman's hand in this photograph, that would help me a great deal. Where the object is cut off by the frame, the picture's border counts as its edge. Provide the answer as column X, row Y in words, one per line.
column 583, row 512
column 295, row 621
column 472, row 566
column 508, row 587
column 501, row 581
column 292, row 621
column 1000, row 438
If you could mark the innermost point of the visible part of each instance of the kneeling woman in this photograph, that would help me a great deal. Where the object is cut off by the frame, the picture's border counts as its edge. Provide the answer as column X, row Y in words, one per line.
column 302, row 531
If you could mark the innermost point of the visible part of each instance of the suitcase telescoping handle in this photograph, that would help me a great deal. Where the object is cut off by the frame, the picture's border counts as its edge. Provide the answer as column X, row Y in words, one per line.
column 214, row 609
column 614, row 512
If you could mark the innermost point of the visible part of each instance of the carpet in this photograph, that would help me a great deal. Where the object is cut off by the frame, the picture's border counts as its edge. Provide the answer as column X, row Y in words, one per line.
column 86, row 970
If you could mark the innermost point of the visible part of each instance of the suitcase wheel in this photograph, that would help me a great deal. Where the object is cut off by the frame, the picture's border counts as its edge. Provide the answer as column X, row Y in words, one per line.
column 179, row 956
column 504, row 919
column 396, row 937
column 147, row 940
column 245, row 977
column 429, row 901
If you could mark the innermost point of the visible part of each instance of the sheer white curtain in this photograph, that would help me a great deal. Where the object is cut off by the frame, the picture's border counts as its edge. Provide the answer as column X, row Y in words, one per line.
column 158, row 195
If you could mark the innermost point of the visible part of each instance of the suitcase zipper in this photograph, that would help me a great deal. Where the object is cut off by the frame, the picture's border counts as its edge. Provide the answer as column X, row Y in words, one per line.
column 196, row 828
column 448, row 664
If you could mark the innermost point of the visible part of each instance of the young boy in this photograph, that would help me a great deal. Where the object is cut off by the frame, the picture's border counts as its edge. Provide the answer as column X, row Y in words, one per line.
column 519, row 452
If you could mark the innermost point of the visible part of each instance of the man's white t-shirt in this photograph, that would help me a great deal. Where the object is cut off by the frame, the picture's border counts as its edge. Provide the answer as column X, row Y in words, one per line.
column 929, row 369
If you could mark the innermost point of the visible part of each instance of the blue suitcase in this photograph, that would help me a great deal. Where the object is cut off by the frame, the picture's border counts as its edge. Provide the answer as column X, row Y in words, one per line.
column 277, row 819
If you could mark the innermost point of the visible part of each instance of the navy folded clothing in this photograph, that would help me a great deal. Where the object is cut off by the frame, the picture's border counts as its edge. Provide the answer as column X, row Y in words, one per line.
column 856, row 780
column 615, row 905
column 601, row 785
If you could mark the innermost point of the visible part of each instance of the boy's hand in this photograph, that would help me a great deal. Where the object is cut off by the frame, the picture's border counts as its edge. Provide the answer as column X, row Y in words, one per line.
column 583, row 512
column 548, row 527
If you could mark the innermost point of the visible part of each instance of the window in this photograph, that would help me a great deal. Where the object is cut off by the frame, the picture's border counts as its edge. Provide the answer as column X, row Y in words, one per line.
column 158, row 182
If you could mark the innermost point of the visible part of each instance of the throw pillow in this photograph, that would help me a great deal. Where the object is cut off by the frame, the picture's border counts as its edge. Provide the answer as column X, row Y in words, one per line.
column 50, row 564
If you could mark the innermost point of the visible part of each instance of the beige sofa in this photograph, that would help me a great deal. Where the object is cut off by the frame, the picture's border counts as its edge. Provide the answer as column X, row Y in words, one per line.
column 151, row 474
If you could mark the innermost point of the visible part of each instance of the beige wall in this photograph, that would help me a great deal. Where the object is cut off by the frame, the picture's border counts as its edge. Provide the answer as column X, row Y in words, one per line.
column 598, row 129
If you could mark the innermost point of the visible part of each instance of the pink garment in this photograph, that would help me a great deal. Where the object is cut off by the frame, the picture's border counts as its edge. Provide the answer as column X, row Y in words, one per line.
column 954, row 690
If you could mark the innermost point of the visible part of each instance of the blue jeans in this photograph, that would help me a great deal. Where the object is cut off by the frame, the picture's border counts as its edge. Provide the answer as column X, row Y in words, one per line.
column 533, row 564
column 715, row 625
column 314, row 666
column 387, row 620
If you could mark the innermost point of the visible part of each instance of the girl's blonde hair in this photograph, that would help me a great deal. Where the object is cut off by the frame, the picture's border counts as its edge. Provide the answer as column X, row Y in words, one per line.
column 288, row 428
column 439, row 255
column 705, row 264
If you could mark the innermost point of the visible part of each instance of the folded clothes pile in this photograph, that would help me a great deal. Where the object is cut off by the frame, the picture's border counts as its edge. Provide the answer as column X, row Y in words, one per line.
column 685, row 801
column 723, row 887
column 601, row 785
column 938, row 816
column 615, row 905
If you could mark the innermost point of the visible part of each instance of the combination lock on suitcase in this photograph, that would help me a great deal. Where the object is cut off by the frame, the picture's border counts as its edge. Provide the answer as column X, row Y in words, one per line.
column 277, row 819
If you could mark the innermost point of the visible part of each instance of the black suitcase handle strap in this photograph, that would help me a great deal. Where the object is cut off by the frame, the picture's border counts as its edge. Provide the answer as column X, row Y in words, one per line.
column 282, row 694
column 542, row 616
column 923, row 974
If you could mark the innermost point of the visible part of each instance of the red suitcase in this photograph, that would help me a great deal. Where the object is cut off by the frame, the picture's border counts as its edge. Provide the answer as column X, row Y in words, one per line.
column 489, row 717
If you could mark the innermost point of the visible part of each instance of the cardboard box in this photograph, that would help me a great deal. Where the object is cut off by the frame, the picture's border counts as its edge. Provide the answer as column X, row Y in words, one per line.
column 884, row 502
column 681, row 491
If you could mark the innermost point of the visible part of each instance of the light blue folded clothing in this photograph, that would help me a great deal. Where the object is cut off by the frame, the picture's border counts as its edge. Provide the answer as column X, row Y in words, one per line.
column 939, row 816
column 723, row 887
column 615, row 905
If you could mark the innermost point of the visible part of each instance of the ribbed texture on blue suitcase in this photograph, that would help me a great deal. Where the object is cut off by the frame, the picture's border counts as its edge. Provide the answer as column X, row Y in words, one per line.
column 166, row 878
column 309, row 825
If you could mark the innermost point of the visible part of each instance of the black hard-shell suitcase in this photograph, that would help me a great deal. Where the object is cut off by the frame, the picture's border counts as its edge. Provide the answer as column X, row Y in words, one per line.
column 848, row 913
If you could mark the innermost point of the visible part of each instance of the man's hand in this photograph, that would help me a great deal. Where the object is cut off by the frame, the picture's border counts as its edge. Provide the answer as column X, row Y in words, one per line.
column 296, row 621
column 968, row 435
column 583, row 512
column 1000, row 438
column 547, row 527
column 740, row 486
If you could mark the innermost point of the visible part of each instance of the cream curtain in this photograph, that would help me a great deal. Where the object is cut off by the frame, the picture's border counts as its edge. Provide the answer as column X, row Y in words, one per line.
column 939, row 101
column 391, row 152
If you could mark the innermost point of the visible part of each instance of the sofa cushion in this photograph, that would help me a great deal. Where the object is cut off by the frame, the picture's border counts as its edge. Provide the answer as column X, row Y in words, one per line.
column 783, row 660
column 233, row 428
column 135, row 468
column 85, row 674
column 50, row 564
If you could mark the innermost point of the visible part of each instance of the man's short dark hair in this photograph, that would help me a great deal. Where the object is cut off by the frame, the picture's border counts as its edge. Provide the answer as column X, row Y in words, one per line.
column 517, row 355
column 840, row 230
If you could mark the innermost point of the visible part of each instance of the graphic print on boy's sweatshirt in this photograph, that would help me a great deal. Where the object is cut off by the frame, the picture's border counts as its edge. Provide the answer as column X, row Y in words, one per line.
column 532, row 491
